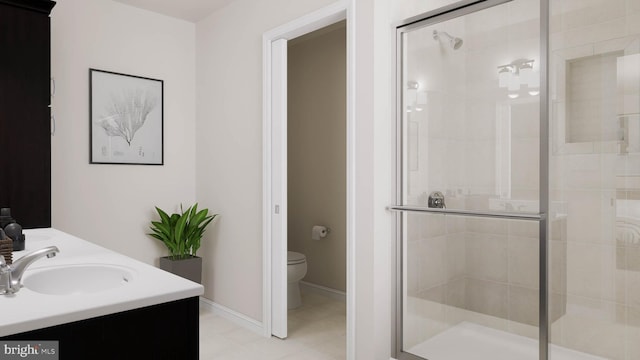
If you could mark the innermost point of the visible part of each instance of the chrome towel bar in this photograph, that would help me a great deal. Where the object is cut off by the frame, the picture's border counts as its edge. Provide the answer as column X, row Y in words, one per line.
column 488, row 214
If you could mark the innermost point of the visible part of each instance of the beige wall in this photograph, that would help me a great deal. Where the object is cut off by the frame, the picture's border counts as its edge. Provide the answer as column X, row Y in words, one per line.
column 229, row 144
column 112, row 205
column 317, row 153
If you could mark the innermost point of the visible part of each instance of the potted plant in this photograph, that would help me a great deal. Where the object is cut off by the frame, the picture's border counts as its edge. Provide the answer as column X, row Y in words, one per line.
column 181, row 234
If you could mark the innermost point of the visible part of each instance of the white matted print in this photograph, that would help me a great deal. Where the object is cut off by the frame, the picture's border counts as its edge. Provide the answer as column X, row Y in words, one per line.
column 126, row 119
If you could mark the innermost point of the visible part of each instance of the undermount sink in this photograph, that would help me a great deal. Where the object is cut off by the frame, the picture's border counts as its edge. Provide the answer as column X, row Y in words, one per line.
column 76, row 279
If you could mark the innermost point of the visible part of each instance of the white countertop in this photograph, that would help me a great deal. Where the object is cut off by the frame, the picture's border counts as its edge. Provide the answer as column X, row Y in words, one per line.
column 28, row 310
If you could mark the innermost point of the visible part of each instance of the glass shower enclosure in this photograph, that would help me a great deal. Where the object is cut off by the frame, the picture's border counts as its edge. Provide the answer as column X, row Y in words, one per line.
column 518, row 179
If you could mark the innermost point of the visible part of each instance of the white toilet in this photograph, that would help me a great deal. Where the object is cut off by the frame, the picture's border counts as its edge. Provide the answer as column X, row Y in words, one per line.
column 296, row 270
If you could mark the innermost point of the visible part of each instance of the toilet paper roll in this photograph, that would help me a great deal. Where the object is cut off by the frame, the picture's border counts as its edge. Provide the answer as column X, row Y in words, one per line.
column 318, row 232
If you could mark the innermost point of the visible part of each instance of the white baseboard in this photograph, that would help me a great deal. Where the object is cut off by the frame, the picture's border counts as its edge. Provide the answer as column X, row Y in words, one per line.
column 323, row 290
column 231, row 315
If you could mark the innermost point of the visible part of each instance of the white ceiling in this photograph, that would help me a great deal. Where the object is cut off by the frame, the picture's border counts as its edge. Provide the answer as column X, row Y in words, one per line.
column 190, row 10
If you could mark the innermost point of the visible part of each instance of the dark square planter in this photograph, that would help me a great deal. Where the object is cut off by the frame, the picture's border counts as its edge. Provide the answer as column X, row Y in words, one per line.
column 189, row 268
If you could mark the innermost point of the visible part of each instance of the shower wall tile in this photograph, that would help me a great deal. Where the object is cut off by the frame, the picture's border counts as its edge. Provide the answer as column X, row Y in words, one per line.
column 633, row 289
column 633, row 347
column 621, row 287
column 456, row 256
column 583, row 205
column 557, row 306
column 584, row 270
column 633, row 24
column 525, row 164
column 559, row 229
column 433, row 262
column 526, row 125
column 520, row 32
column 523, row 262
column 621, row 258
column 608, row 217
column 437, row 176
column 487, row 297
column 456, row 224
column 523, row 228
column 431, row 226
column 456, row 293
column 479, row 81
column 632, row 258
column 413, row 231
column 456, row 174
column 477, row 202
column 595, row 33
column 482, row 123
column 584, row 172
column 592, row 273
column 487, row 257
column 532, row 332
column 594, row 327
column 434, row 294
column 614, row 280
column 521, row 11
column 525, row 194
column 558, row 266
column 633, row 316
column 487, row 226
column 417, row 328
column 523, row 305
column 480, row 165
column 413, row 267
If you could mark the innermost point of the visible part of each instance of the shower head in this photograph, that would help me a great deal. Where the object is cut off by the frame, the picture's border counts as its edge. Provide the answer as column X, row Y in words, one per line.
column 455, row 42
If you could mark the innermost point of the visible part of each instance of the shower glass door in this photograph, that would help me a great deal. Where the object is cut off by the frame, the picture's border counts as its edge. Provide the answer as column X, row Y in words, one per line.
column 469, row 110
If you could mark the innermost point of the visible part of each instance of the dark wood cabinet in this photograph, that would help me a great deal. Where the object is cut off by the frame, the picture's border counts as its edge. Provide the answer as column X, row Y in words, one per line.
column 167, row 331
column 25, row 123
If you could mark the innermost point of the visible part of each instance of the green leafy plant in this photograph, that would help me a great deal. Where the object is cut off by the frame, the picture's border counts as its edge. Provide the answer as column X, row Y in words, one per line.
column 181, row 233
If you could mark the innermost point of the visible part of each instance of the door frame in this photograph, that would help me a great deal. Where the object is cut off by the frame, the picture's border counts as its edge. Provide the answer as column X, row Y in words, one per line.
column 338, row 11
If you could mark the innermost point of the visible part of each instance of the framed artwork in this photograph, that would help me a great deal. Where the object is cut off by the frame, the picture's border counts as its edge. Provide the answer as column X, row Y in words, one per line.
column 126, row 119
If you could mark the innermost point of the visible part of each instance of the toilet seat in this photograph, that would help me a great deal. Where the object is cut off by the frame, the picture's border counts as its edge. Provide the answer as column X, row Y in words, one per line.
column 294, row 258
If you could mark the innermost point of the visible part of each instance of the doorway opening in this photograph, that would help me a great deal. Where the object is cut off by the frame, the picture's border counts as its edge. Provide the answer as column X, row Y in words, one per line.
column 275, row 160
column 316, row 186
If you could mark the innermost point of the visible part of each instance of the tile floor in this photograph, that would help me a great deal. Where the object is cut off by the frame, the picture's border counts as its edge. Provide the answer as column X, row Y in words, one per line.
column 317, row 331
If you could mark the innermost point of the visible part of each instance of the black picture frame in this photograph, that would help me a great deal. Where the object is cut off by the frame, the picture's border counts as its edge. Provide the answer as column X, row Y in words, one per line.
column 126, row 119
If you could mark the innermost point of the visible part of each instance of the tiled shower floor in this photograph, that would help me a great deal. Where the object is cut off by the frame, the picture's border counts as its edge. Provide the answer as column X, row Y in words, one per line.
column 471, row 341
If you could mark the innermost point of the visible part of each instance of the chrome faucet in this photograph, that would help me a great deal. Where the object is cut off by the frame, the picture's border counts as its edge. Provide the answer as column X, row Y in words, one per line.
column 11, row 275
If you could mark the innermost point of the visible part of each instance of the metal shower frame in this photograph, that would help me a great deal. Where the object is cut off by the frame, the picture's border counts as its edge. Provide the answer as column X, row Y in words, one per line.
column 449, row 12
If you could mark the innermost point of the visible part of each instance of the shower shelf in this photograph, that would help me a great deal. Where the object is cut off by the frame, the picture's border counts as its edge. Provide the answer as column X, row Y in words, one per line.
column 489, row 214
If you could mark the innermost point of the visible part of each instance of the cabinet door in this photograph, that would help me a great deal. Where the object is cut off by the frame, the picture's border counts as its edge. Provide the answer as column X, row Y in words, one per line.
column 25, row 140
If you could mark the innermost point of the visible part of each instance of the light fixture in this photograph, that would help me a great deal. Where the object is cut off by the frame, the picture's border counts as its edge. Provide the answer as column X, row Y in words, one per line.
column 517, row 74
column 504, row 74
column 414, row 100
column 526, row 73
column 514, row 82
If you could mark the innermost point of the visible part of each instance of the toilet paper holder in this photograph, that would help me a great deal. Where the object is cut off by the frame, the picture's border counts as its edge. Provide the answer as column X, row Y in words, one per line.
column 319, row 231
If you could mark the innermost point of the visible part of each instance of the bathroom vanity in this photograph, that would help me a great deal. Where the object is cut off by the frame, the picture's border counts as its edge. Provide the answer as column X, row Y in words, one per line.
column 100, row 304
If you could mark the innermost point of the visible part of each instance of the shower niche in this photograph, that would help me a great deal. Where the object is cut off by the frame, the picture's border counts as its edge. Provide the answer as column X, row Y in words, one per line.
column 595, row 92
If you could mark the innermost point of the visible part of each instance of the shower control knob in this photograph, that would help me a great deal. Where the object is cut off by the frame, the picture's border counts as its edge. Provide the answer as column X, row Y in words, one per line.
column 436, row 200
